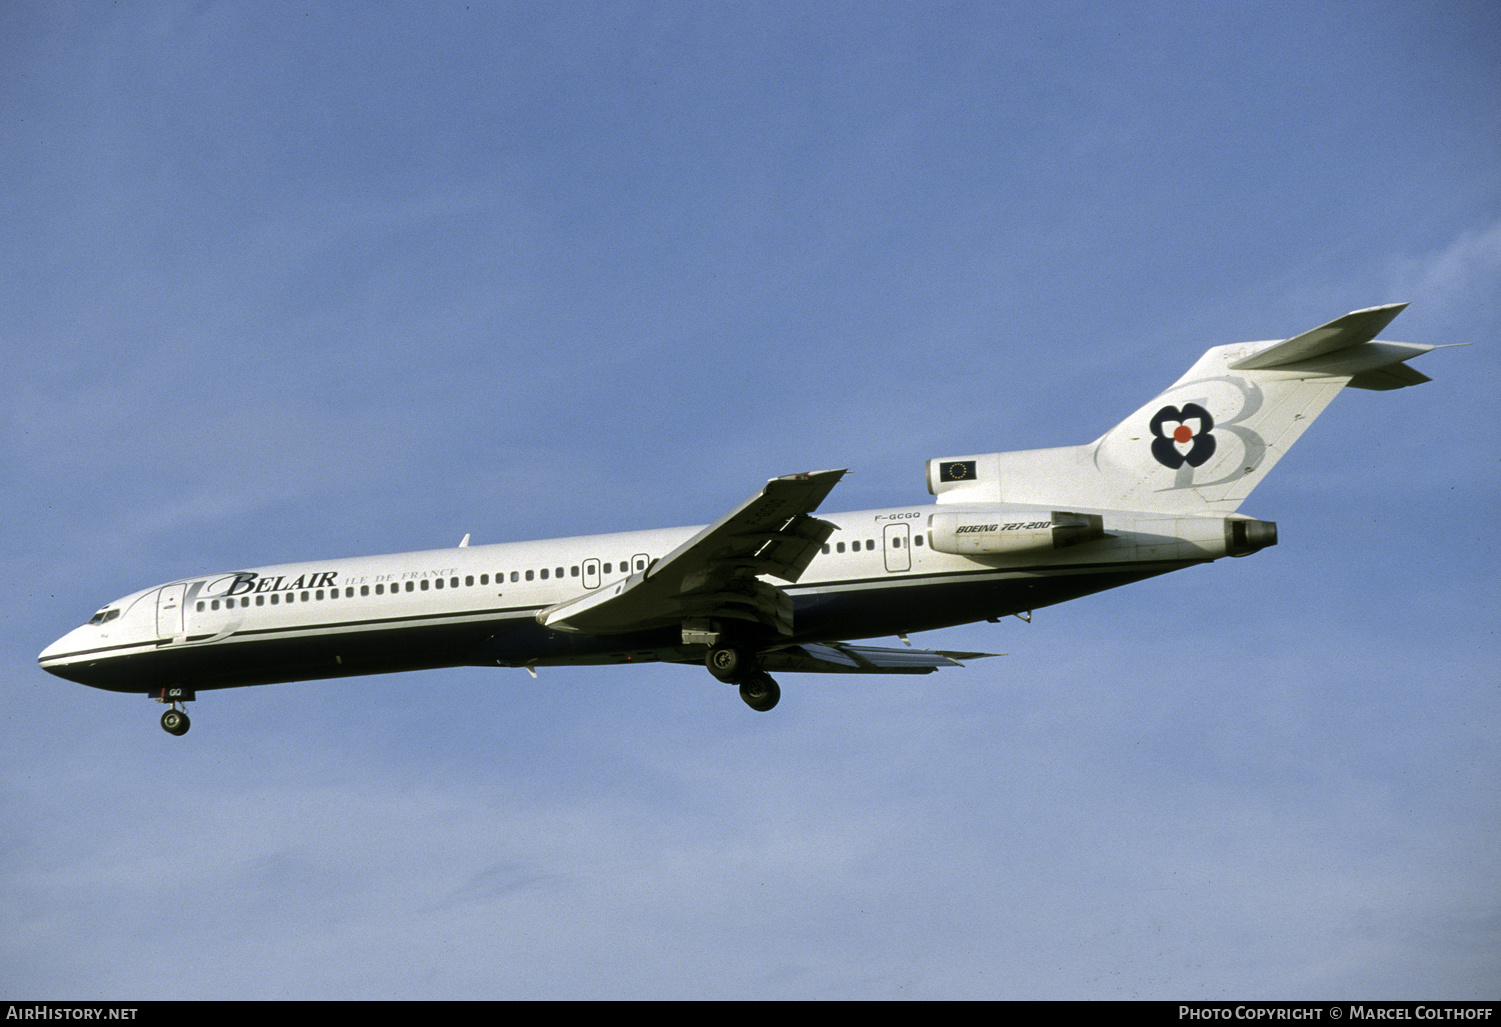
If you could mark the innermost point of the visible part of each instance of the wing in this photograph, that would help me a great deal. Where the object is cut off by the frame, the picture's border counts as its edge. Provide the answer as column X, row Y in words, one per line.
column 715, row 575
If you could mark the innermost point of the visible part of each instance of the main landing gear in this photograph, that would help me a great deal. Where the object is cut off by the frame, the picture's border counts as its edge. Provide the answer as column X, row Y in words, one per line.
column 760, row 691
column 175, row 721
column 736, row 666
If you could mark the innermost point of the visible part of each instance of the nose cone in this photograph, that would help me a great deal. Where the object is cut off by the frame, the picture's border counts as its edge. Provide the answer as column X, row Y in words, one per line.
column 63, row 657
column 52, row 652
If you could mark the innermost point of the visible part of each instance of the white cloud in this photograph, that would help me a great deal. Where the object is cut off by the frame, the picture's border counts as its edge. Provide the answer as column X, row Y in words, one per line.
column 1467, row 267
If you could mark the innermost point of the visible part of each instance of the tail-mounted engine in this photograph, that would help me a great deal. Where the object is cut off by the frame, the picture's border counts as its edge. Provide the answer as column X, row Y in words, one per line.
column 980, row 532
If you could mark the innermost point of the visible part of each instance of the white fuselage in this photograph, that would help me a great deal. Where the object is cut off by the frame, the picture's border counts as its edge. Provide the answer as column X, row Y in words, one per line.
column 878, row 574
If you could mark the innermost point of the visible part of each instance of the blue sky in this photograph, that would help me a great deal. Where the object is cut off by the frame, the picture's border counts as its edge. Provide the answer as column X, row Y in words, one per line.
column 291, row 283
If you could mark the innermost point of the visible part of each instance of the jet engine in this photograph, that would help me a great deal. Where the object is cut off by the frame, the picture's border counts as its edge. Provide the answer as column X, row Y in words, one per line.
column 1010, row 530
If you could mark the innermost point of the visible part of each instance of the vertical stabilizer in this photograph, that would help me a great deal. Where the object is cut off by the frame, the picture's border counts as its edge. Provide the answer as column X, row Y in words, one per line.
column 1208, row 440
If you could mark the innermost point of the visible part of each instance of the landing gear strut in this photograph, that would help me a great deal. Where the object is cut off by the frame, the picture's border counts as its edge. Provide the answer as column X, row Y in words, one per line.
column 175, row 721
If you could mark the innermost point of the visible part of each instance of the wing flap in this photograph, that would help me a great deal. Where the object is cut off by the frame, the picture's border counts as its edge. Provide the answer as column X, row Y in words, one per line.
column 842, row 658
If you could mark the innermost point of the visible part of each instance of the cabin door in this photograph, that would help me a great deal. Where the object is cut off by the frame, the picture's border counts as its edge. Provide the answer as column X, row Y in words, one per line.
column 898, row 542
column 169, row 611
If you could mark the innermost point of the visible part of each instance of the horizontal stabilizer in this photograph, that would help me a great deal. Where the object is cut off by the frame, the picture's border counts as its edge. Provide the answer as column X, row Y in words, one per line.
column 1351, row 330
column 1382, row 379
column 842, row 658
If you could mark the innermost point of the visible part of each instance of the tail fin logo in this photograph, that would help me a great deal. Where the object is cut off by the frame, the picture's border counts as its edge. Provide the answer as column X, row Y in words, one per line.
column 1173, row 429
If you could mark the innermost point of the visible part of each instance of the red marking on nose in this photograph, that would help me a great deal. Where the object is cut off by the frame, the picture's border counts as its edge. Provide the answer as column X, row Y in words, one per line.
column 1182, row 433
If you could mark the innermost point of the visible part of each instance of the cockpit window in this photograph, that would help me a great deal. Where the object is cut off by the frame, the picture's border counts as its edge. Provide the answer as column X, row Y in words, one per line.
column 104, row 616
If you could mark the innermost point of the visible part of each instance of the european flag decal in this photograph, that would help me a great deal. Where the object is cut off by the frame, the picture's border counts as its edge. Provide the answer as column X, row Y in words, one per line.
column 957, row 470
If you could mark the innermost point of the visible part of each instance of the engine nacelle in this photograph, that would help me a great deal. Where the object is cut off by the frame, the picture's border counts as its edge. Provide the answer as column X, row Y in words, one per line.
column 992, row 532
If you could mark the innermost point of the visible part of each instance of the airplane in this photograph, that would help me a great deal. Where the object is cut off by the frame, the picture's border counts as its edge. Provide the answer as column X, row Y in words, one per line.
column 770, row 587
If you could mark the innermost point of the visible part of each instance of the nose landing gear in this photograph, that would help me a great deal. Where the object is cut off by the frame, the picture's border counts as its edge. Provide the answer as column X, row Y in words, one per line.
column 175, row 721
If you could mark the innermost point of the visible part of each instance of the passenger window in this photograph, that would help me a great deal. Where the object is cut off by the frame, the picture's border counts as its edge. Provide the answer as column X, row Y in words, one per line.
column 826, row 549
column 275, row 599
column 424, row 584
column 607, row 568
column 468, row 580
column 200, row 610
column 573, row 572
column 917, row 540
column 840, row 547
column 544, row 573
column 514, row 576
column 438, row 583
column 528, row 575
column 319, row 595
column 260, row 600
column 304, row 597
column 364, row 590
column 560, row 572
column 410, row 587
